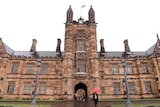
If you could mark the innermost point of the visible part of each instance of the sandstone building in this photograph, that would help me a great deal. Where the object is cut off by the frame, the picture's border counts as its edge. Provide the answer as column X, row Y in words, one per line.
column 79, row 68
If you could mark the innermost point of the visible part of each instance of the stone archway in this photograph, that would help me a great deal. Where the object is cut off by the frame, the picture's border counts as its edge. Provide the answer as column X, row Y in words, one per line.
column 81, row 89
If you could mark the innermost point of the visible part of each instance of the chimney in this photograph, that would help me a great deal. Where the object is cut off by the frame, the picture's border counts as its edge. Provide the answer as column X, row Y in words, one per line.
column 102, row 51
column 1, row 46
column 58, row 49
column 127, row 49
column 33, row 48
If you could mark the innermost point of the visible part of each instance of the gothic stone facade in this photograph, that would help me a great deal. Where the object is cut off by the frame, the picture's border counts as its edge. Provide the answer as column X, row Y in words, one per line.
column 79, row 68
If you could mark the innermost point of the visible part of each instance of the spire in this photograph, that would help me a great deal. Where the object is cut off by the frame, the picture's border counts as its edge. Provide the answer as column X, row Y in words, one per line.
column 157, row 47
column 91, row 15
column 69, row 15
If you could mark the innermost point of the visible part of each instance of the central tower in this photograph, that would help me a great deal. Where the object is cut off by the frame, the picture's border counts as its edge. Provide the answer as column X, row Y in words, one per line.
column 80, row 52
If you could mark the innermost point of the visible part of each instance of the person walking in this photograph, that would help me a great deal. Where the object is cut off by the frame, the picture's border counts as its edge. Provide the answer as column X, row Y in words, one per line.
column 95, row 98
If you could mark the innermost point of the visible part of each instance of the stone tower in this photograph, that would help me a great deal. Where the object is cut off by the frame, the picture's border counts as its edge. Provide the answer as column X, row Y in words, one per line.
column 80, row 54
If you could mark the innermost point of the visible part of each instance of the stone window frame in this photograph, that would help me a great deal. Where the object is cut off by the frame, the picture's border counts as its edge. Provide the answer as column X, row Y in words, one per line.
column 144, row 68
column 115, row 69
column 29, row 68
column 14, row 67
column 11, row 86
column 117, row 87
column 148, row 87
column 103, row 90
column 27, row 88
column 101, row 65
column 54, row 90
column 80, row 45
column 44, row 69
column 42, row 88
column 131, row 88
column 101, row 74
column 81, row 65
column 129, row 69
column 57, row 65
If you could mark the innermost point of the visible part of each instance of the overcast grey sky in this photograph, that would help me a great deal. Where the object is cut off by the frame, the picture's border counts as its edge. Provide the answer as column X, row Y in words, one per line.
column 24, row 20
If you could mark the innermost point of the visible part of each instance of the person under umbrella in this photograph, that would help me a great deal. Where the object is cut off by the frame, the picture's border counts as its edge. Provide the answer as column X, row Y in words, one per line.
column 95, row 98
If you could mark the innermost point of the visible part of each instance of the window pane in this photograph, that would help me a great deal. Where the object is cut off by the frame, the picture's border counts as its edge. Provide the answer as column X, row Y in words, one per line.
column 148, row 87
column 128, row 69
column 103, row 90
column 81, row 66
column 14, row 67
column 114, row 69
column 116, row 88
column 144, row 68
column 54, row 90
column 80, row 45
column 131, row 87
column 29, row 69
column 11, row 87
column 44, row 69
column 27, row 87
column 42, row 88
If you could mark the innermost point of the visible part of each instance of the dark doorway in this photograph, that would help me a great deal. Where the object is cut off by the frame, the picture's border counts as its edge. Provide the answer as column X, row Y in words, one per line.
column 81, row 89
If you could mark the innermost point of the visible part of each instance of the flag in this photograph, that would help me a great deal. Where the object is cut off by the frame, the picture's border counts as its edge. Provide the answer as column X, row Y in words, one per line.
column 83, row 6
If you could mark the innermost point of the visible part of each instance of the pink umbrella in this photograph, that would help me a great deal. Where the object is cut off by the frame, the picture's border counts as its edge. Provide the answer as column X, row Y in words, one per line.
column 95, row 90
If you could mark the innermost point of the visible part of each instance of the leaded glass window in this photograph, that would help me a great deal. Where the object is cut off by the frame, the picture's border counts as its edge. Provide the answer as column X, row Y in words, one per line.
column 11, row 85
column 148, row 87
column 14, row 67
column 129, row 69
column 42, row 88
column 114, row 69
column 81, row 66
column 27, row 88
column 55, row 90
column 29, row 69
column 131, row 86
column 116, row 86
column 44, row 69
column 103, row 90
column 144, row 68
column 80, row 45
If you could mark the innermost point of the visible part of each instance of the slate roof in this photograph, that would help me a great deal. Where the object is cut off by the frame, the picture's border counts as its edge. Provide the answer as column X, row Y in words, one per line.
column 52, row 54
column 151, row 49
column 120, row 54
column 49, row 54
column 8, row 50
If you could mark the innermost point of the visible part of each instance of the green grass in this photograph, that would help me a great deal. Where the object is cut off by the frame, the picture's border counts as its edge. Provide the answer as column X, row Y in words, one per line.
column 4, row 102
column 24, row 105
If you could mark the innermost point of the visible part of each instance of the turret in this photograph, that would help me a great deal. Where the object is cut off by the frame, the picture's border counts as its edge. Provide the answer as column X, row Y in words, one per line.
column 91, row 15
column 157, row 47
column 69, row 15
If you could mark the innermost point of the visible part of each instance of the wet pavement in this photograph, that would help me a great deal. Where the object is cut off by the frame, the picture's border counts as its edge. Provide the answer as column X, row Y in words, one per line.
column 89, row 103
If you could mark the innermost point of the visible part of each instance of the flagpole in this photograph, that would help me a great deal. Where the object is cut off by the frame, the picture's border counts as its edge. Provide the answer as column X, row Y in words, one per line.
column 81, row 11
column 82, row 8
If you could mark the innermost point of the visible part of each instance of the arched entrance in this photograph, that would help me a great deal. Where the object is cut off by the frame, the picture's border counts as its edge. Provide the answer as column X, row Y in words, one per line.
column 80, row 89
